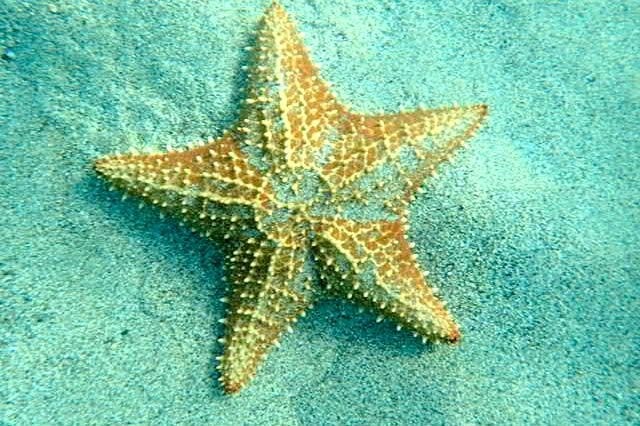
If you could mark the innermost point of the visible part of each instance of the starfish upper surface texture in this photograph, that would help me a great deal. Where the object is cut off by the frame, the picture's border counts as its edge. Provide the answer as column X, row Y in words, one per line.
column 306, row 197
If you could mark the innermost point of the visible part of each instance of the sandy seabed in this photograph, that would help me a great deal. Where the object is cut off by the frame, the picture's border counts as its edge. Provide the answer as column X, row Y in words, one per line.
column 108, row 313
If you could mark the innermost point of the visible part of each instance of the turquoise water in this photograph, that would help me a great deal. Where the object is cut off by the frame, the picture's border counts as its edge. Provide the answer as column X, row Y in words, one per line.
column 109, row 313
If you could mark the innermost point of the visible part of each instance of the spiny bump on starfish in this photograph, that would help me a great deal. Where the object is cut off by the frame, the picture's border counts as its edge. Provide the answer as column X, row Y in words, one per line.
column 306, row 196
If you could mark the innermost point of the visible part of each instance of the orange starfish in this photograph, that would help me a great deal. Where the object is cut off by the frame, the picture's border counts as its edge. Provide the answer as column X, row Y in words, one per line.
column 305, row 196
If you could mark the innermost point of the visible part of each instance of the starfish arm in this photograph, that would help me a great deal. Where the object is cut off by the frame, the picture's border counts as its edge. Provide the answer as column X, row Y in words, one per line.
column 423, row 138
column 271, row 290
column 291, row 111
column 217, row 172
column 375, row 267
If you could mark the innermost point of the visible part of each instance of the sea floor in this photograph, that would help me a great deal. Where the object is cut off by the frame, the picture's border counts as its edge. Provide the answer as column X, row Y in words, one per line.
column 109, row 313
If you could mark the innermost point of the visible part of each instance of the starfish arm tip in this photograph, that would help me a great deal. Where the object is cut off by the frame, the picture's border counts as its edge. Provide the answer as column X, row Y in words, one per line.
column 455, row 336
column 231, row 388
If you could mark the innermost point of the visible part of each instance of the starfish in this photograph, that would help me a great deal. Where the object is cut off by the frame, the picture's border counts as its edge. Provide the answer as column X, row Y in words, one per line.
column 306, row 197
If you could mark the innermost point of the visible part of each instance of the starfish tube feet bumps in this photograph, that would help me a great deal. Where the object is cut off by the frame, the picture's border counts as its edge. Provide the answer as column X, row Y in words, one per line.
column 306, row 197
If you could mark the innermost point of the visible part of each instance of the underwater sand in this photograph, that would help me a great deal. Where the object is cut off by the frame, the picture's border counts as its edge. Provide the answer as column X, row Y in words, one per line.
column 108, row 314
